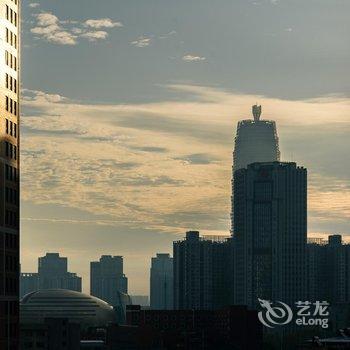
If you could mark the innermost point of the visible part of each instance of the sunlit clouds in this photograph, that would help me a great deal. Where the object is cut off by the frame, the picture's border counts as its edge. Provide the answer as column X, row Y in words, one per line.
column 164, row 166
column 68, row 32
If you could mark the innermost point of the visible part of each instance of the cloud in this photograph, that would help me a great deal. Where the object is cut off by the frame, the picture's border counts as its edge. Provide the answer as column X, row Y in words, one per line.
column 129, row 163
column 94, row 36
column 102, row 23
column 142, row 41
column 198, row 158
column 68, row 32
column 193, row 58
column 34, row 5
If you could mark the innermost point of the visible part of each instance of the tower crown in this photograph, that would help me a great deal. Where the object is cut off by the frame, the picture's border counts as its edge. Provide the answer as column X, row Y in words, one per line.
column 256, row 112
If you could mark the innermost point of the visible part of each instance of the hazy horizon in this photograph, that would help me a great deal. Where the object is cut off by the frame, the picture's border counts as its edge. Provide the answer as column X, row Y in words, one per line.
column 129, row 111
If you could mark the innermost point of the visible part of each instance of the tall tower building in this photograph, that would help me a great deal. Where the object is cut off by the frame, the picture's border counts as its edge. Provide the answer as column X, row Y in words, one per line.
column 162, row 282
column 256, row 141
column 53, row 273
column 107, row 278
column 270, row 225
column 9, row 173
column 201, row 272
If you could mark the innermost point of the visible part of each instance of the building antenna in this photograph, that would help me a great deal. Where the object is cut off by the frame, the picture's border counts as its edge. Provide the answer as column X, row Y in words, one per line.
column 256, row 109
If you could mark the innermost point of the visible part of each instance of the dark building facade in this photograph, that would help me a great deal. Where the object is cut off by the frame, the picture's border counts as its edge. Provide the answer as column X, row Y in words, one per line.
column 329, row 270
column 107, row 278
column 9, row 173
column 233, row 327
column 202, row 272
column 162, row 286
column 270, row 226
column 52, row 274
column 52, row 334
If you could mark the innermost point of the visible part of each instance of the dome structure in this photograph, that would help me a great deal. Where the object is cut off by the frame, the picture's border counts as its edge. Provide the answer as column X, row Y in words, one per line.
column 77, row 307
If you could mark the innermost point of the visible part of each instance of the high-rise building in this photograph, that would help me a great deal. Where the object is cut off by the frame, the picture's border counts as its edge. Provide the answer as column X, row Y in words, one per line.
column 270, row 230
column 9, row 173
column 329, row 270
column 256, row 141
column 107, row 278
column 202, row 272
column 161, row 286
column 52, row 274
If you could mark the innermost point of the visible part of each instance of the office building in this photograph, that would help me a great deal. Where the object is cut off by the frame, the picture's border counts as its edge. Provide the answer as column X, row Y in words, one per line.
column 256, row 141
column 107, row 278
column 270, row 226
column 161, row 286
column 9, row 173
column 202, row 273
column 329, row 270
column 52, row 274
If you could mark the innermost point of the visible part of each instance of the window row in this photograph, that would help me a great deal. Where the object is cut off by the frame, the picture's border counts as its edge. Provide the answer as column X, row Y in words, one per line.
column 11, row 105
column 11, row 241
column 11, row 60
column 11, row 263
column 11, row 38
column 11, row 286
column 11, row 150
column 15, row 1
column 11, row 173
column 11, row 15
column 11, row 218
column 11, row 128
column 11, row 196
column 11, row 83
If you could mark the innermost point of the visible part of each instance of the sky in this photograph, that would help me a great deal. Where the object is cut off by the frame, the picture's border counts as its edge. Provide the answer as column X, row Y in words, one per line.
column 129, row 111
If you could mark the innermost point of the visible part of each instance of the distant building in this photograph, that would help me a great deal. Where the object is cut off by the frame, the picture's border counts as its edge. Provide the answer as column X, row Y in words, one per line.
column 107, row 278
column 270, row 232
column 202, row 272
column 161, row 286
column 52, row 274
column 29, row 282
column 256, row 141
column 233, row 327
column 76, row 307
column 329, row 270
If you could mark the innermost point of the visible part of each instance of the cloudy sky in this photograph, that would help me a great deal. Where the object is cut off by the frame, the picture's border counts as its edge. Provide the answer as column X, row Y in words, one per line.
column 130, row 109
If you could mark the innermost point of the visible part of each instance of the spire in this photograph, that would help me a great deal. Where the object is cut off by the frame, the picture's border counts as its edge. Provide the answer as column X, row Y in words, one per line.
column 256, row 112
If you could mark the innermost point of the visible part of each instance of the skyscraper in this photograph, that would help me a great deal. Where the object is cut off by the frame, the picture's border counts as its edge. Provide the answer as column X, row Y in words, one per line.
column 107, row 278
column 9, row 174
column 270, row 233
column 329, row 270
column 201, row 272
column 256, row 141
column 161, row 286
column 52, row 274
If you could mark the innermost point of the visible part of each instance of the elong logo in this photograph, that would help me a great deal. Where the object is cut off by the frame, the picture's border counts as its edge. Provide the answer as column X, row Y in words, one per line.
column 308, row 314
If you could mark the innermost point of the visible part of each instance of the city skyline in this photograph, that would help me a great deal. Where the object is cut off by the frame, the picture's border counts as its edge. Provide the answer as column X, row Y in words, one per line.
column 157, row 161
